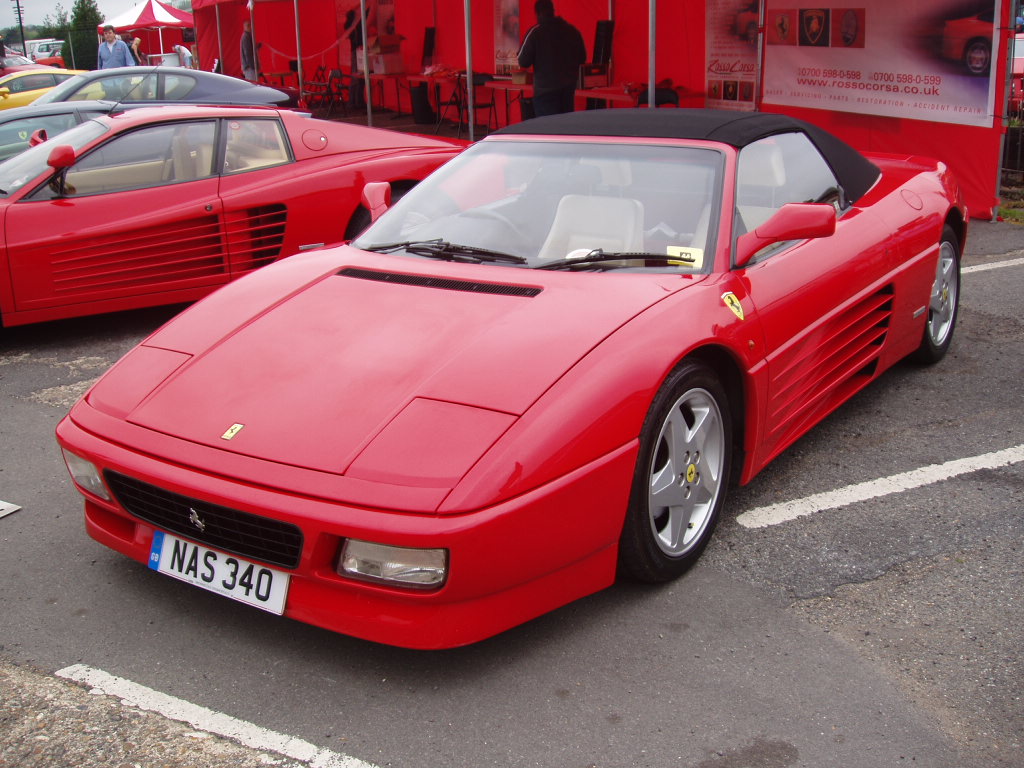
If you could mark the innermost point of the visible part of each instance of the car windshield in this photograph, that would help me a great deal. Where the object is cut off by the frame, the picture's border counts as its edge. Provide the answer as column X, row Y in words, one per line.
column 14, row 61
column 62, row 91
column 30, row 164
column 562, row 204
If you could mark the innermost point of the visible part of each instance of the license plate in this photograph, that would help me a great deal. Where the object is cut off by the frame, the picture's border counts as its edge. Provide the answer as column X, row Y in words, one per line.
column 228, row 575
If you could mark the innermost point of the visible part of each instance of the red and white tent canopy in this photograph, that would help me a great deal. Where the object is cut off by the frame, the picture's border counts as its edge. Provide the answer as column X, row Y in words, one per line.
column 149, row 14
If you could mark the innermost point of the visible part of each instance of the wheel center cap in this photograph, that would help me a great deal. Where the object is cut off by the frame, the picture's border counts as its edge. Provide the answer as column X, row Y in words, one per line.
column 691, row 473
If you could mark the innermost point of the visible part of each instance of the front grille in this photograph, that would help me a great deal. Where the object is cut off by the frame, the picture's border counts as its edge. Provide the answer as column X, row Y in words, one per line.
column 442, row 283
column 240, row 533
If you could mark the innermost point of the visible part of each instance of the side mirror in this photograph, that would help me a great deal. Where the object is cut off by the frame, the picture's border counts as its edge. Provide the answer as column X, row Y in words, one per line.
column 5, row 92
column 62, row 156
column 376, row 198
column 38, row 137
column 793, row 221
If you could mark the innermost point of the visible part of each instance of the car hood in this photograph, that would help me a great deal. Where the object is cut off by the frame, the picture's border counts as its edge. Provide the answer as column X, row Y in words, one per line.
column 382, row 340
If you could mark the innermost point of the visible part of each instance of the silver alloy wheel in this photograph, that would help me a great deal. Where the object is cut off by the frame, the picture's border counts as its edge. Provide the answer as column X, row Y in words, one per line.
column 686, row 472
column 942, row 305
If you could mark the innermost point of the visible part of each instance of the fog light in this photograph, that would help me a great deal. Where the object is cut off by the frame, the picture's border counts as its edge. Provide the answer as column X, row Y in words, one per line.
column 85, row 474
column 421, row 568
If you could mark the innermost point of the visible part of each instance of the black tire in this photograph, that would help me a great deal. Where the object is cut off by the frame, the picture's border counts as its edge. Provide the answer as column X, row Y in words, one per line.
column 660, row 541
column 943, row 302
column 978, row 56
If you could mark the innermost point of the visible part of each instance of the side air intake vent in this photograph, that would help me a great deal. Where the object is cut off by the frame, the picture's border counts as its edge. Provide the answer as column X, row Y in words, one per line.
column 442, row 283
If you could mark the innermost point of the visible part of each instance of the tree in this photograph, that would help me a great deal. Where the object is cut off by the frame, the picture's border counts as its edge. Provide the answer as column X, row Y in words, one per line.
column 56, row 25
column 85, row 18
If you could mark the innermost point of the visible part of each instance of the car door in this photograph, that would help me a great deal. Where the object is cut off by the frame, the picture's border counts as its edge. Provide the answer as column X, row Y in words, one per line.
column 259, row 184
column 24, row 90
column 825, row 305
column 138, row 224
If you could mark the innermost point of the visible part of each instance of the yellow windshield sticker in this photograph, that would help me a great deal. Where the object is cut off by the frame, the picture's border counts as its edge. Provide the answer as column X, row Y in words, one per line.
column 687, row 257
column 730, row 300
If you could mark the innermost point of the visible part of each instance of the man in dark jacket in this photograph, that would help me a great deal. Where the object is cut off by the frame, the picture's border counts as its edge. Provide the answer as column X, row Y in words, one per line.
column 555, row 50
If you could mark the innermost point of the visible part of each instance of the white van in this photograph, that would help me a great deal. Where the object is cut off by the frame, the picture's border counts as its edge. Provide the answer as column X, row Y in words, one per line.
column 44, row 48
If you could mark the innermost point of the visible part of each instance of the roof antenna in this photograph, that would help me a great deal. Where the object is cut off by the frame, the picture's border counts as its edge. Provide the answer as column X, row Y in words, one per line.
column 150, row 71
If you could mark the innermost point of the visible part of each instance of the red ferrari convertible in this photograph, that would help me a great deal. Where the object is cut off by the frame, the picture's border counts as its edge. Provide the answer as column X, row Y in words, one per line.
column 538, row 370
column 162, row 205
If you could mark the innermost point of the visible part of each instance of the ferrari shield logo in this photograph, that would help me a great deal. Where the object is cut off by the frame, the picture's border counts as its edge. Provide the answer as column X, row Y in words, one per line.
column 814, row 26
column 730, row 300
column 233, row 430
column 782, row 26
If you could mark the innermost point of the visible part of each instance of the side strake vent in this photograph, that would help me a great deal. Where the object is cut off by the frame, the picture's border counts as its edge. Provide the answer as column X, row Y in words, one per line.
column 443, row 283
column 152, row 256
column 255, row 235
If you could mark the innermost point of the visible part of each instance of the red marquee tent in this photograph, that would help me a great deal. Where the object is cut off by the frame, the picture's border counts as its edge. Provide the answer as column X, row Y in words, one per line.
column 152, row 14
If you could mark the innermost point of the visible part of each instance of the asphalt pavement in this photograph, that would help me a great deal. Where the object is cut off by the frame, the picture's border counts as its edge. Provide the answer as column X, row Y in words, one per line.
column 884, row 633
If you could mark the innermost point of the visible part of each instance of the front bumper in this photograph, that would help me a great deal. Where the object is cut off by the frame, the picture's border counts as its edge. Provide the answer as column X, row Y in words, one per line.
column 508, row 563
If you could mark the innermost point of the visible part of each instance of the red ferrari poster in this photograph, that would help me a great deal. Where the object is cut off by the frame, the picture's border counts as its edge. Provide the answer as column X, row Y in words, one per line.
column 731, row 77
column 919, row 59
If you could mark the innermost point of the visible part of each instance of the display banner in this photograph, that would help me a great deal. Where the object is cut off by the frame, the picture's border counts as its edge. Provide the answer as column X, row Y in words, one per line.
column 506, row 36
column 919, row 59
column 731, row 46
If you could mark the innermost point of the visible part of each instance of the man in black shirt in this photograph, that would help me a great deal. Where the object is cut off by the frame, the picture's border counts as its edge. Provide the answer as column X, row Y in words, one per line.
column 555, row 50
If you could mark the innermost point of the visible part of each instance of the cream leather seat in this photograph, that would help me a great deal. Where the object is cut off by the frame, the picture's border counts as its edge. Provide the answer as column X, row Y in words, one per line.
column 614, row 224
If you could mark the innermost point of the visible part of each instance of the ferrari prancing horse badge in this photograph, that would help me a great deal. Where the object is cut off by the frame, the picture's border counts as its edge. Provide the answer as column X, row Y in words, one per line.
column 730, row 300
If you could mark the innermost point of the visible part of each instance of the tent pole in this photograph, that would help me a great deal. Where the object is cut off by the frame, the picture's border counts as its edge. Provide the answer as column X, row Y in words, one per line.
column 220, row 40
column 469, row 69
column 298, row 50
column 366, row 66
column 255, row 45
column 611, row 56
column 652, row 49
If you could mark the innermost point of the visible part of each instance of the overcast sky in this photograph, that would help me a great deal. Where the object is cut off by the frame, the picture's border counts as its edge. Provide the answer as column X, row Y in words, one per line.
column 33, row 11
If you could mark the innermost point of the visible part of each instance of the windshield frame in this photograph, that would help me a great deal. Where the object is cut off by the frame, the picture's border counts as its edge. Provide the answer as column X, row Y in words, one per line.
column 24, row 169
column 705, row 160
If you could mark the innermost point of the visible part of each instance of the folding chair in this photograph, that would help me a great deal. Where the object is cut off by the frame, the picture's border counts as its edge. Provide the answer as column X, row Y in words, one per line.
column 338, row 91
column 316, row 88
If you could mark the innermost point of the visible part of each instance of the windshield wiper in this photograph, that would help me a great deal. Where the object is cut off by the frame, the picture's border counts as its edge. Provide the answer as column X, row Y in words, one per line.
column 442, row 249
column 598, row 255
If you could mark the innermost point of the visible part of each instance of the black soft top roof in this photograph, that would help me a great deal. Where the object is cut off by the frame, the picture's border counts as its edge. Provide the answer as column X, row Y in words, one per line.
column 855, row 172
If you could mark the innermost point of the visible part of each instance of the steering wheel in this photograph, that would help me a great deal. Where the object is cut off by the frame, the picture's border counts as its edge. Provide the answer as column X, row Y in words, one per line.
column 510, row 233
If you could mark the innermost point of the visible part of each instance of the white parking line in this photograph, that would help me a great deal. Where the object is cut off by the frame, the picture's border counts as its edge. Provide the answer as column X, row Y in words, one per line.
column 207, row 720
column 762, row 517
column 993, row 265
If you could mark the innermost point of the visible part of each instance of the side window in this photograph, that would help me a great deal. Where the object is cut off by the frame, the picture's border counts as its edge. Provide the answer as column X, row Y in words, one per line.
column 14, row 135
column 780, row 169
column 254, row 143
column 31, row 83
column 118, row 88
column 177, row 86
column 154, row 156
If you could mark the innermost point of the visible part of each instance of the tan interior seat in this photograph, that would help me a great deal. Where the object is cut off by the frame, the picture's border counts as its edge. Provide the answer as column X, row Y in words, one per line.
column 614, row 224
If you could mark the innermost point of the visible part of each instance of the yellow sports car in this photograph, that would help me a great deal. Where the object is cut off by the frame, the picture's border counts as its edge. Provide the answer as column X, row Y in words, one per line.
column 20, row 88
